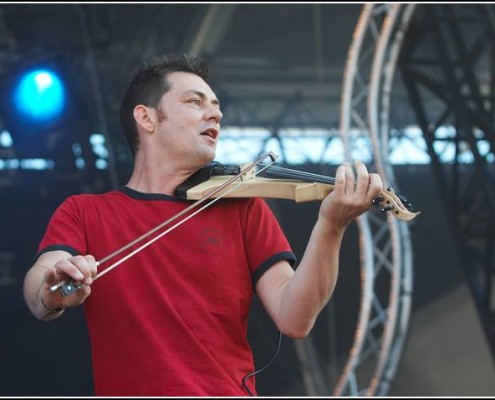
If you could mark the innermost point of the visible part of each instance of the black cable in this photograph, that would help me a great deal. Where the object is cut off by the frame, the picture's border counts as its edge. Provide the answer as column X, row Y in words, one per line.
column 265, row 367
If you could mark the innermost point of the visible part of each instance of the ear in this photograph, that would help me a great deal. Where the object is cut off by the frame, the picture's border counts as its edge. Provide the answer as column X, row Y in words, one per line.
column 145, row 118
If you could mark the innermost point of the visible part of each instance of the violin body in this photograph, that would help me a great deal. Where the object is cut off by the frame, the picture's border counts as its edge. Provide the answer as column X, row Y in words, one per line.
column 280, row 183
column 263, row 187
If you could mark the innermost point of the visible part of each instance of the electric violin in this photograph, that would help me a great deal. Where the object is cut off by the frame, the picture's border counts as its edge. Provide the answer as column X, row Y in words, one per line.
column 282, row 183
column 258, row 179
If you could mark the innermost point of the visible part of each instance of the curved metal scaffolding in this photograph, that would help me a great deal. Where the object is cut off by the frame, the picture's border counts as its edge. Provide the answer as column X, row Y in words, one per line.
column 385, row 246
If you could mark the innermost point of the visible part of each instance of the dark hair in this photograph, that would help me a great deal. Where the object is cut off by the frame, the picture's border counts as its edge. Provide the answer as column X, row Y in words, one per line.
column 148, row 84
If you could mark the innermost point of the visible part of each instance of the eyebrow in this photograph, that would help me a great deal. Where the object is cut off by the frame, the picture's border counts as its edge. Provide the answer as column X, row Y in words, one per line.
column 203, row 96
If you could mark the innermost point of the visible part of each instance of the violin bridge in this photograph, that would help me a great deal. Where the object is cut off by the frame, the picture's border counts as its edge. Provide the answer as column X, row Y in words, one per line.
column 247, row 175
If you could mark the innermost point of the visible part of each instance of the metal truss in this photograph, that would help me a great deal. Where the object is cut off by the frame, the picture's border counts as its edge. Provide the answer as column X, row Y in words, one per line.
column 448, row 62
column 386, row 257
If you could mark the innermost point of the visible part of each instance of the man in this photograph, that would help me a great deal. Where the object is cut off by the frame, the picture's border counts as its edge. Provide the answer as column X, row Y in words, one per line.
column 172, row 319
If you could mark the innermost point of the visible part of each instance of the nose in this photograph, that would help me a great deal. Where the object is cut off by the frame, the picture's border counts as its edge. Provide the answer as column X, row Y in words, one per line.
column 213, row 112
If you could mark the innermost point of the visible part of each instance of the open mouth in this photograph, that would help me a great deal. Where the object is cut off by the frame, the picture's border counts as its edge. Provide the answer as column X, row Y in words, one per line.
column 212, row 133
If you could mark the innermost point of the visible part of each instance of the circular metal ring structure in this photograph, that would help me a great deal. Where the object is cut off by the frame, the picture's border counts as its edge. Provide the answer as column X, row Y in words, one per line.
column 385, row 245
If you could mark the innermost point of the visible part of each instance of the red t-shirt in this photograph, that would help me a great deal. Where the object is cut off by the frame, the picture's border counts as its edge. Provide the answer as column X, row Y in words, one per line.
column 172, row 319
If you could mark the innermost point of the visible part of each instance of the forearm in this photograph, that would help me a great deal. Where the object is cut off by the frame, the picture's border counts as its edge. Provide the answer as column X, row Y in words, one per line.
column 294, row 299
column 313, row 283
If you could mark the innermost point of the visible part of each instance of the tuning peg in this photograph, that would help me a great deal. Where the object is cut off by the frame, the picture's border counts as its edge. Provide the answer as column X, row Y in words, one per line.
column 377, row 200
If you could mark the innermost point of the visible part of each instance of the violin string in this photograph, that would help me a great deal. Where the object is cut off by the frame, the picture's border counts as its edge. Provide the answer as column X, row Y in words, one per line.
column 282, row 172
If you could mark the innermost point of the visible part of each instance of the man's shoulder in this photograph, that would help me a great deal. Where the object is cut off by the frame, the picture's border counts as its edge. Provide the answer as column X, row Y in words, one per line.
column 93, row 198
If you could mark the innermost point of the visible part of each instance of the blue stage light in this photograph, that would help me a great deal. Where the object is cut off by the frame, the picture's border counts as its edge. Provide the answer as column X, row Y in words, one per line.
column 40, row 96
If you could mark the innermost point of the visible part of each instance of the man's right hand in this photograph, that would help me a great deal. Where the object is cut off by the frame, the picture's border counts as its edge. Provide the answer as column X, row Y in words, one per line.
column 79, row 269
column 50, row 269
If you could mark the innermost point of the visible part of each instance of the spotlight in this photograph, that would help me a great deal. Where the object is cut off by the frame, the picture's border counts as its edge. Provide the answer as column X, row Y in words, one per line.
column 39, row 96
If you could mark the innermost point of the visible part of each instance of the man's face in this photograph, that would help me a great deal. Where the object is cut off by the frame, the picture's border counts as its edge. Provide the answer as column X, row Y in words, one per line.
column 188, row 120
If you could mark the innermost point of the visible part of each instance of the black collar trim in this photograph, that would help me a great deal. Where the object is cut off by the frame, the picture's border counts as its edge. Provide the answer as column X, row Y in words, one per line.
column 146, row 196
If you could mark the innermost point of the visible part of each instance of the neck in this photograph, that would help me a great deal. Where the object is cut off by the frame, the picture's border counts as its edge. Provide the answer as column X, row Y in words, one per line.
column 157, row 177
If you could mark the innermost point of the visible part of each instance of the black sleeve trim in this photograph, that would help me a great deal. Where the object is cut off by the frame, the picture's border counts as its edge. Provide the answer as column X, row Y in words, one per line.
column 268, row 263
column 55, row 247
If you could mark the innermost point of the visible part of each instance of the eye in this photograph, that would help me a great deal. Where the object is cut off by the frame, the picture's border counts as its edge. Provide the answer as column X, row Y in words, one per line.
column 195, row 101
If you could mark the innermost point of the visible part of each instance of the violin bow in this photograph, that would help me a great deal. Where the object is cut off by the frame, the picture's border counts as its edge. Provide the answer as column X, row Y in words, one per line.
column 215, row 195
column 214, row 185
